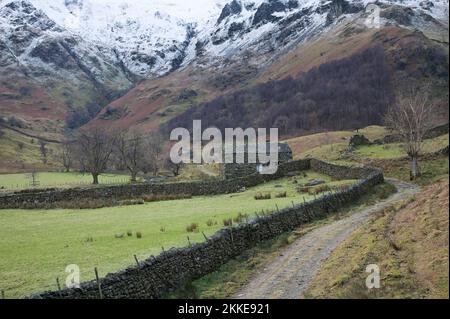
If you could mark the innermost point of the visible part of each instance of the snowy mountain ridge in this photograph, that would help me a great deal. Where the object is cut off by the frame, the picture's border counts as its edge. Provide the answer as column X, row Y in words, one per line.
column 153, row 37
column 74, row 57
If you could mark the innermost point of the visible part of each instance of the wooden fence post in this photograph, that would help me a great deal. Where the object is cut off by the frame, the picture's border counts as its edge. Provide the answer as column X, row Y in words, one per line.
column 59, row 286
column 137, row 261
column 99, row 286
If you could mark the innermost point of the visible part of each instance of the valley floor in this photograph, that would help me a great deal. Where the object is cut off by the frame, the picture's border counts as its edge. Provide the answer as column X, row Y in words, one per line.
column 37, row 245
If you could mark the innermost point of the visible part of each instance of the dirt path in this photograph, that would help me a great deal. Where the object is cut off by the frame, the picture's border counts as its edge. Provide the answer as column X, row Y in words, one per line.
column 288, row 276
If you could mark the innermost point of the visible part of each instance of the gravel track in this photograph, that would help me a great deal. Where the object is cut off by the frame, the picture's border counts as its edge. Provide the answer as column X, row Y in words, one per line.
column 289, row 275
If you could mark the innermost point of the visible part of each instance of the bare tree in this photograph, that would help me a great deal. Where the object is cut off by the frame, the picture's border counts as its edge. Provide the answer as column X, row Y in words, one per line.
column 66, row 156
column 411, row 118
column 174, row 168
column 155, row 144
column 133, row 152
column 43, row 150
column 93, row 151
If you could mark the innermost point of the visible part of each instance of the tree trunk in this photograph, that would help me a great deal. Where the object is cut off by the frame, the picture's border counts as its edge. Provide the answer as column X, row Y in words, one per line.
column 133, row 177
column 414, row 168
column 95, row 177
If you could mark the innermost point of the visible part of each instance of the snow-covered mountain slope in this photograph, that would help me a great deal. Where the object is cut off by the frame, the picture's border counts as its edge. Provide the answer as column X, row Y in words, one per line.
column 73, row 71
column 288, row 45
column 153, row 37
column 268, row 26
column 85, row 52
column 150, row 36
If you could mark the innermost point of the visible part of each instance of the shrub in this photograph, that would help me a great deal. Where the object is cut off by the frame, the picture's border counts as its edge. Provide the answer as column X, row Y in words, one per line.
column 162, row 229
column 240, row 218
column 314, row 190
column 260, row 196
column 319, row 189
column 129, row 233
column 192, row 228
column 228, row 222
column 265, row 212
column 16, row 122
column 385, row 190
column 281, row 195
column 304, row 190
column 210, row 223
column 138, row 235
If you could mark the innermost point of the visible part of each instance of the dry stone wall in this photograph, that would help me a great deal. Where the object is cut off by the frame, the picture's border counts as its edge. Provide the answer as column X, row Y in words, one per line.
column 157, row 276
column 27, row 199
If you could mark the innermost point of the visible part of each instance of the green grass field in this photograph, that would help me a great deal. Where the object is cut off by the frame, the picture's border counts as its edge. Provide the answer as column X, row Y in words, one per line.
column 396, row 150
column 37, row 245
column 332, row 152
column 305, row 144
column 57, row 179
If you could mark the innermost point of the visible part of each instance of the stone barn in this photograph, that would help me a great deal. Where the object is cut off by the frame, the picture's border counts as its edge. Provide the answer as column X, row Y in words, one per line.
column 235, row 170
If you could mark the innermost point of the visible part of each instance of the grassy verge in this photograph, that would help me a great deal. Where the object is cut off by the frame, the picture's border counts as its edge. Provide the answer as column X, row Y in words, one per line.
column 226, row 281
column 409, row 243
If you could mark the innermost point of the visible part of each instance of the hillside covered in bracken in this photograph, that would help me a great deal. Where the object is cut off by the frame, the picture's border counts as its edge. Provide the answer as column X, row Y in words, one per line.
column 344, row 94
